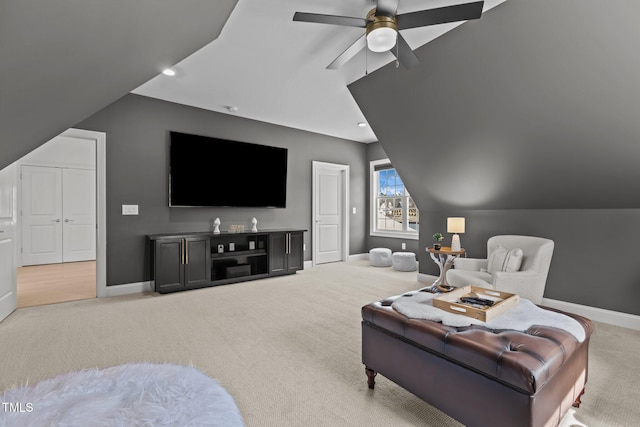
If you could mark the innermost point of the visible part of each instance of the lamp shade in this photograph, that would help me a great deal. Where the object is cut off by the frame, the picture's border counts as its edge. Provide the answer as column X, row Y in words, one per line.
column 455, row 225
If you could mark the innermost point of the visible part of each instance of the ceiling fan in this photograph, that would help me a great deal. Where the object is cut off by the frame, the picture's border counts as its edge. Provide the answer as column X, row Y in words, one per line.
column 383, row 25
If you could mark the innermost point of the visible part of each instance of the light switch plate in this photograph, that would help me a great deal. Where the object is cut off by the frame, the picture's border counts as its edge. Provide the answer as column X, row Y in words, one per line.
column 129, row 209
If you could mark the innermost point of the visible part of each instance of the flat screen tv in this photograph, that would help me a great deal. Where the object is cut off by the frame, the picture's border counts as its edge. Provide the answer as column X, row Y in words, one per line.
column 206, row 171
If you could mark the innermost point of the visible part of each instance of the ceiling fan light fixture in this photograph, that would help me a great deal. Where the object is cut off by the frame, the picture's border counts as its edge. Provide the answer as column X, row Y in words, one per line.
column 382, row 32
column 381, row 39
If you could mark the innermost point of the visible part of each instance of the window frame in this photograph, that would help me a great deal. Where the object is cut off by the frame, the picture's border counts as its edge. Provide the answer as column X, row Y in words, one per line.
column 373, row 205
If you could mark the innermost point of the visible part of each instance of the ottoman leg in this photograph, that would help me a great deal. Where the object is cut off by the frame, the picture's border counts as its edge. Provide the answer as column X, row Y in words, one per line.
column 578, row 401
column 370, row 377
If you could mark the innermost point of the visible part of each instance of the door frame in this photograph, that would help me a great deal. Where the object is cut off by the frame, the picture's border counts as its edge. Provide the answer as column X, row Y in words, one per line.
column 344, row 217
column 100, row 139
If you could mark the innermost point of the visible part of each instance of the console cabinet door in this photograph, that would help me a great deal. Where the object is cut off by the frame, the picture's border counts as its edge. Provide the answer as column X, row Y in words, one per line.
column 295, row 255
column 169, row 265
column 277, row 253
column 285, row 252
column 197, row 262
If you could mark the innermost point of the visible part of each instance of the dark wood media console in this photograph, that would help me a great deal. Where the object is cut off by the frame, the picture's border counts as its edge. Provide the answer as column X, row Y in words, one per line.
column 196, row 260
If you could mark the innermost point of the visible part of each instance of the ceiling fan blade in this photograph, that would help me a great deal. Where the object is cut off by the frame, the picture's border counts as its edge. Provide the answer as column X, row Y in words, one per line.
column 441, row 15
column 387, row 8
column 405, row 54
column 349, row 53
column 330, row 19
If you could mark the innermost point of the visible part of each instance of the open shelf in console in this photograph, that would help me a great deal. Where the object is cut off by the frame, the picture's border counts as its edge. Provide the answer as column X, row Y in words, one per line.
column 236, row 255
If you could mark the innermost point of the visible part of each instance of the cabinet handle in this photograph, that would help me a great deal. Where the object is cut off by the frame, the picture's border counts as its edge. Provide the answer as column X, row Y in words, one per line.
column 182, row 251
column 186, row 256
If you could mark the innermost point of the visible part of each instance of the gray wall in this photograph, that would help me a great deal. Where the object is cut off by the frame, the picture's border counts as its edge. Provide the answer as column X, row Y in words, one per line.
column 137, row 131
column 524, row 122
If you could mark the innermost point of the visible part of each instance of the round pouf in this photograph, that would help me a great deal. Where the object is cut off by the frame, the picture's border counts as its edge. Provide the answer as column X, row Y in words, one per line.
column 404, row 261
column 380, row 257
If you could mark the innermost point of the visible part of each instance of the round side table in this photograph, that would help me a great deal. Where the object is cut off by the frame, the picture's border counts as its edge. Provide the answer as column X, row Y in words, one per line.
column 443, row 257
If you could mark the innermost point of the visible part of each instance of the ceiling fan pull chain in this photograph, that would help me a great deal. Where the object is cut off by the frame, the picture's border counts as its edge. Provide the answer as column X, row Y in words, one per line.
column 397, row 52
column 366, row 61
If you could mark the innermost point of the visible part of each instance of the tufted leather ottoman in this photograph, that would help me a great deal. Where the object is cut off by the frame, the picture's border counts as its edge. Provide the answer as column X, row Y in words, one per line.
column 478, row 376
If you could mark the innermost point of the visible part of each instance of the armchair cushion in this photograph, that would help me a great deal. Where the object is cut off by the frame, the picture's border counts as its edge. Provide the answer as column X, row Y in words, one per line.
column 463, row 278
column 503, row 259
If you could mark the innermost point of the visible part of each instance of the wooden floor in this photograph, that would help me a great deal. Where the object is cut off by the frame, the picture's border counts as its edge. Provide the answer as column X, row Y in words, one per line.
column 54, row 283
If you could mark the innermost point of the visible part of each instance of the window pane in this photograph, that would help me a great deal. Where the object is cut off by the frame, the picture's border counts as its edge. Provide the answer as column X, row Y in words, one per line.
column 392, row 203
column 414, row 216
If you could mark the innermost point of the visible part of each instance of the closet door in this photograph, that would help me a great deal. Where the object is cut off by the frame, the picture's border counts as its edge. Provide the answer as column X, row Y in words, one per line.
column 41, row 215
column 78, row 215
column 58, row 215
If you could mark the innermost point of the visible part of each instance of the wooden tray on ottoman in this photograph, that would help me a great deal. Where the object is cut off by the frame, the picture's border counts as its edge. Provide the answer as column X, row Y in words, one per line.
column 450, row 302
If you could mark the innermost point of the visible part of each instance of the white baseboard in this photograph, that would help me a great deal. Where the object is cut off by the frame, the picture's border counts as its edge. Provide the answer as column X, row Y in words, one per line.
column 358, row 257
column 308, row 264
column 611, row 317
column 129, row 288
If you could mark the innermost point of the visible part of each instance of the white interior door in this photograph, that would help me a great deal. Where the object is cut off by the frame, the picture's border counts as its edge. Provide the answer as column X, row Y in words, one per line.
column 8, row 287
column 329, row 212
column 41, row 215
column 79, row 215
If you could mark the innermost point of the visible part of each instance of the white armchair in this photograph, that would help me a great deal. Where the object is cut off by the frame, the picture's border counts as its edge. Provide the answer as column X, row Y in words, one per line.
column 515, row 264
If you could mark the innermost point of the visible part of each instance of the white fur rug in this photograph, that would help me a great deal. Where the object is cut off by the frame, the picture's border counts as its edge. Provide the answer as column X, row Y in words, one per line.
column 519, row 318
column 140, row 394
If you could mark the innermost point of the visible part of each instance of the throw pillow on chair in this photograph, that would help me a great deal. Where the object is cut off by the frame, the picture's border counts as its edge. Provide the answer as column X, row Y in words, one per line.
column 503, row 259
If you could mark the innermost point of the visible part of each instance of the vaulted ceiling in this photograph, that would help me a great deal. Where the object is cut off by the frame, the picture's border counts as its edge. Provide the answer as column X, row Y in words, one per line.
column 64, row 60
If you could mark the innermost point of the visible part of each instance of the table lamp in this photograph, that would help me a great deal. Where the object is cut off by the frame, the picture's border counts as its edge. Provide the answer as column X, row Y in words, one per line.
column 455, row 225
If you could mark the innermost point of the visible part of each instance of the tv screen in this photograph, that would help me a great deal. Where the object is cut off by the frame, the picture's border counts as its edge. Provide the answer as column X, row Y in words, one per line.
column 206, row 171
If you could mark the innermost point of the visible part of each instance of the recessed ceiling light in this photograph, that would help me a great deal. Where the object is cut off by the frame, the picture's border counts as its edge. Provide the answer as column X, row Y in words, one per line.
column 232, row 108
column 362, row 124
column 168, row 72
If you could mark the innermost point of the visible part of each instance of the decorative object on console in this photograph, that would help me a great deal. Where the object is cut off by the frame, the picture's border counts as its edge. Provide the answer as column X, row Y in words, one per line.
column 236, row 228
column 216, row 226
column 455, row 225
column 254, row 225
column 437, row 238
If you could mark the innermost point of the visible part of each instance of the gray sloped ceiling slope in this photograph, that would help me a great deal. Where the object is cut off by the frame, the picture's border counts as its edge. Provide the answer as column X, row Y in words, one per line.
column 62, row 61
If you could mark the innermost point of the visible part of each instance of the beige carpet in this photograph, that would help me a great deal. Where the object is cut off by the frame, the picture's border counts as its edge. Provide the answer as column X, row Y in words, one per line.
column 287, row 349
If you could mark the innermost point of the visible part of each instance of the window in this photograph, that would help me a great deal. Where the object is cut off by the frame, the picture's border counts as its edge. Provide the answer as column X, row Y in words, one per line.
column 393, row 213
